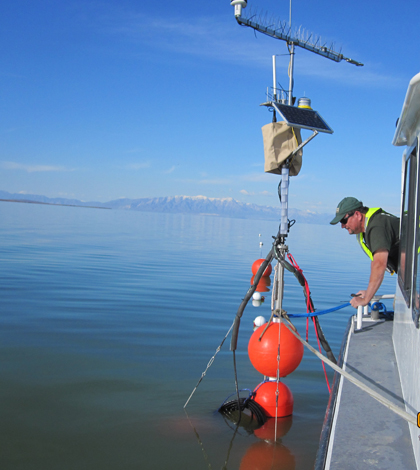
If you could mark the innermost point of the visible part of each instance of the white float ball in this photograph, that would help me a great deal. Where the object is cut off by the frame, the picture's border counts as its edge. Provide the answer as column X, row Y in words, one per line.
column 256, row 296
column 259, row 321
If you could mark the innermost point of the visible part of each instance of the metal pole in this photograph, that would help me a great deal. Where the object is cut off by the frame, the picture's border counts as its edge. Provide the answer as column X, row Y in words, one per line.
column 359, row 317
column 366, row 310
column 290, row 15
column 284, row 195
column 292, row 60
column 274, row 79
column 279, row 286
column 278, row 303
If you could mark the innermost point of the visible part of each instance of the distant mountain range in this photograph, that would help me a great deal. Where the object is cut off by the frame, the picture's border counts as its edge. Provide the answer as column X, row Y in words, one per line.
column 226, row 207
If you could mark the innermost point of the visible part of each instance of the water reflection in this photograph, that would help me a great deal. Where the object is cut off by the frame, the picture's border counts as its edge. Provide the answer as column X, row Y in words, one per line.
column 93, row 362
column 268, row 432
column 268, row 452
column 268, row 456
column 263, row 285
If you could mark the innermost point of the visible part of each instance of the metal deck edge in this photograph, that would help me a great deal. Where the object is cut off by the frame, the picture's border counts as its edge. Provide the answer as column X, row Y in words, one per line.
column 328, row 428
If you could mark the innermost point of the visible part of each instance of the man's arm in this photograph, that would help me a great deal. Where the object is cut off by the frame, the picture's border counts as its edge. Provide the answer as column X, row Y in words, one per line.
column 377, row 271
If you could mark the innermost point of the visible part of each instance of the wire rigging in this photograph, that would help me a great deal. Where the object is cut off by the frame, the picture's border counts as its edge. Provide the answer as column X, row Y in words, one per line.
column 234, row 328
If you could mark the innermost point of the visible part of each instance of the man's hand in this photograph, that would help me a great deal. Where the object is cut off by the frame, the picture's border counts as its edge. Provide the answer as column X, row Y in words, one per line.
column 377, row 271
column 359, row 299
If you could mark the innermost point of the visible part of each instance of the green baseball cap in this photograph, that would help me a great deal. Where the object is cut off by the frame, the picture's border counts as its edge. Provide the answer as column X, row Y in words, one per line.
column 345, row 206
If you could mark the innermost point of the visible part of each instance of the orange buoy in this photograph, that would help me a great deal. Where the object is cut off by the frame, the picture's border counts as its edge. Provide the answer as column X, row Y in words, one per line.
column 263, row 285
column 263, row 354
column 265, row 396
column 264, row 456
column 256, row 265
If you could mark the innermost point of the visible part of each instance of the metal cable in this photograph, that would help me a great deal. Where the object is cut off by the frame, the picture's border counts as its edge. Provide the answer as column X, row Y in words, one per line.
column 209, row 365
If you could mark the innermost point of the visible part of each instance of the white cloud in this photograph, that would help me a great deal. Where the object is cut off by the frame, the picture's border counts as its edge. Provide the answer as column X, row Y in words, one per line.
column 214, row 38
column 259, row 177
column 135, row 150
column 311, row 65
column 171, row 170
column 33, row 168
column 137, row 166
column 216, row 181
column 9, row 130
column 246, row 193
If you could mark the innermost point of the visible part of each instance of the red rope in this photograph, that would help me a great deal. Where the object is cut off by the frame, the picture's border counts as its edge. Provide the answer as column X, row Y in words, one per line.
column 323, row 365
column 309, row 309
column 307, row 329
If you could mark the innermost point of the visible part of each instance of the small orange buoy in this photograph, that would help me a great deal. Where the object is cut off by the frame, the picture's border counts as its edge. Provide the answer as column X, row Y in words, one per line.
column 265, row 396
column 256, row 265
column 263, row 354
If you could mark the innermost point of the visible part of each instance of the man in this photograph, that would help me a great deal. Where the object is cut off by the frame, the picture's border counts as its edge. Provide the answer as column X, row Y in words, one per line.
column 379, row 236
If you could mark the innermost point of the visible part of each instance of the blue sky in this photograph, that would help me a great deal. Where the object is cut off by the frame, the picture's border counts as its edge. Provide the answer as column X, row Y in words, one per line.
column 106, row 99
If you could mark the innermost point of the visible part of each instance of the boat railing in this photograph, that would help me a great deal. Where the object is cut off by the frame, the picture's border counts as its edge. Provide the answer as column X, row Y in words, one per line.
column 363, row 312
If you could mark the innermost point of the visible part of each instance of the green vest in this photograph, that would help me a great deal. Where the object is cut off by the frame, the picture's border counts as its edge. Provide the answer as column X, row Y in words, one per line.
column 368, row 215
column 365, row 248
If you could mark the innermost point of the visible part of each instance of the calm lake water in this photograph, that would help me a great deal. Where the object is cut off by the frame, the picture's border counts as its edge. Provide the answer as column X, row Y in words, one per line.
column 108, row 318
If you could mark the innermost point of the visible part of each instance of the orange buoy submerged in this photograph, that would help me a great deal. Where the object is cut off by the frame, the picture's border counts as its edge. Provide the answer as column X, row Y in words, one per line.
column 256, row 265
column 265, row 396
column 267, row 456
column 274, row 429
column 263, row 354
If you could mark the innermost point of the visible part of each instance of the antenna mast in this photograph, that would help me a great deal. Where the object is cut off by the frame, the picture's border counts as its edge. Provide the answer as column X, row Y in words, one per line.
column 299, row 117
column 284, row 32
column 294, row 117
column 292, row 60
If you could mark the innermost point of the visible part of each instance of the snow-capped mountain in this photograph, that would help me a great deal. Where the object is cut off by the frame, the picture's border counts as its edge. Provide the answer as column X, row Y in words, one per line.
column 223, row 207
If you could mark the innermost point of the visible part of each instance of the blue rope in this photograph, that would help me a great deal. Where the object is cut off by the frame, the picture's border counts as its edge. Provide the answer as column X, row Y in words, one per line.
column 379, row 306
column 389, row 314
column 315, row 314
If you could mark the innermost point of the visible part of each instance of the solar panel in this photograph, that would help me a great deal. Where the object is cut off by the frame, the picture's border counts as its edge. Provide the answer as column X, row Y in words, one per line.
column 302, row 117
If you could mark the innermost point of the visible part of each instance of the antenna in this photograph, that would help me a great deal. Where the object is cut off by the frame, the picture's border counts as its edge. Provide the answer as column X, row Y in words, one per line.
column 284, row 32
column 290, row 14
